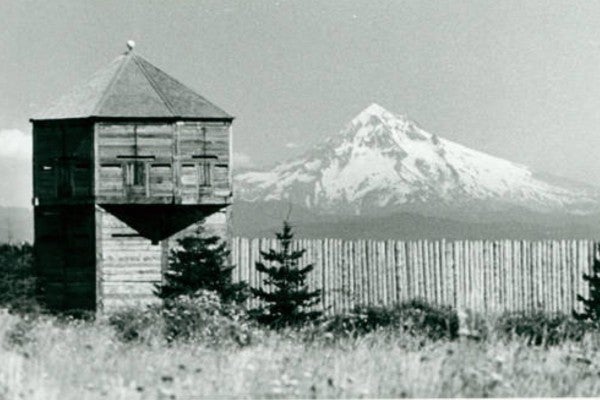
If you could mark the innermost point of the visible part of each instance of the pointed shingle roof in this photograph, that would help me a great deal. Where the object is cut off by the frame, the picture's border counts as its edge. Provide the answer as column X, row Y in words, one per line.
column 131, row 87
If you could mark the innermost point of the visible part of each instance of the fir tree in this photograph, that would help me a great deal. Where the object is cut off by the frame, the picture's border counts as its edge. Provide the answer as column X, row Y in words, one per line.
column 201, row 262
column 289, row 300
column 591, row 306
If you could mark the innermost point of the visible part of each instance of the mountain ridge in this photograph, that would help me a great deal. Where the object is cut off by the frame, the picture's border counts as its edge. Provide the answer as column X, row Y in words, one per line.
column 385, row 162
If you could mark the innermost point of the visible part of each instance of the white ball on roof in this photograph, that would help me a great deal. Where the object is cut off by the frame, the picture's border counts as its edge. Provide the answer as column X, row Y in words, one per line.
column 130, row 44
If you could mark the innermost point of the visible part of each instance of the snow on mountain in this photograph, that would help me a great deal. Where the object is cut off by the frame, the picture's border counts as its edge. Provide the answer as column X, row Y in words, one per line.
column 383, row 161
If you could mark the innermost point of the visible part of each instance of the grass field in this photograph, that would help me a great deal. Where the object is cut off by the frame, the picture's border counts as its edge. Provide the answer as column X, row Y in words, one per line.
column 54, row 360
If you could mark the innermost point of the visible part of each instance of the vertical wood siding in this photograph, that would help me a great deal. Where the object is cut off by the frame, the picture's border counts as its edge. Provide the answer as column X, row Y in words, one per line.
column 485, row 276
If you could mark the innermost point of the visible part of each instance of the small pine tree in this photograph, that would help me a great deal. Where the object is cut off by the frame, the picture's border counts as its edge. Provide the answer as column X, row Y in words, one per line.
column 201, row 262
column 591, row 306
column 289, row 301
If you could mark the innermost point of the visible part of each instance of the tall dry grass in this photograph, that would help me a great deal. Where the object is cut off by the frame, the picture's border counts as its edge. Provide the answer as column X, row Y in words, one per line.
column 47, row 359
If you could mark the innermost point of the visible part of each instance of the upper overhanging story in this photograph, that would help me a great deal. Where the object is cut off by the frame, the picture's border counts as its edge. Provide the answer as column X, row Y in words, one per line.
column 132, row 134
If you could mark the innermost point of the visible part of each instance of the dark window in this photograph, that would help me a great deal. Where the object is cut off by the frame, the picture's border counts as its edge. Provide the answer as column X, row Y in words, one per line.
column 136, row 173
column 205, row 174
column 139, row 173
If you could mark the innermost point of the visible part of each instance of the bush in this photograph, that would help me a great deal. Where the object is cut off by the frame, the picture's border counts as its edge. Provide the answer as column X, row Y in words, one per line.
column 200, row 318
column 539, row 328
column 135, row 324
column 17, row 278
column 436, row 322
column 414, row 317
column 204, row 318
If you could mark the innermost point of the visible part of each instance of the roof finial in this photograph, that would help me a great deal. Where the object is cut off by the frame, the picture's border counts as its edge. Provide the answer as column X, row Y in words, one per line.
column 130, row 45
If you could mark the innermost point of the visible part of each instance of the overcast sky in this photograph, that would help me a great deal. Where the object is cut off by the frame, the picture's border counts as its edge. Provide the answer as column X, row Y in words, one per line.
column 520, row 80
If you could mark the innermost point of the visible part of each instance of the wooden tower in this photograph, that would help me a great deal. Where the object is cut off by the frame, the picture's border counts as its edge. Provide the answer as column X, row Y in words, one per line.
column 122, row 165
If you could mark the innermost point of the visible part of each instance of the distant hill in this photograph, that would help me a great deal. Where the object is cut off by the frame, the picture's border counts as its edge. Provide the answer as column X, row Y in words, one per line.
column 263, row 220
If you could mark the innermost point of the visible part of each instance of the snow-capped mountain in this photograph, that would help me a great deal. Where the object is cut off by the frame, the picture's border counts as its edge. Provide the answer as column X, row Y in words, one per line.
column 384, row 163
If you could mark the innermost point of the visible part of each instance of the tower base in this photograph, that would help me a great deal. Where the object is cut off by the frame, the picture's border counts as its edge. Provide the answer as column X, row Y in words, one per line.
column 89, row 259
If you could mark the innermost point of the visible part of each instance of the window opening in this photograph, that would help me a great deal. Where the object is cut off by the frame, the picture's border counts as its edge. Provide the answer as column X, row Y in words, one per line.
column 205, row 174
column 136, row 173
column 139, row 173
column 136, row 157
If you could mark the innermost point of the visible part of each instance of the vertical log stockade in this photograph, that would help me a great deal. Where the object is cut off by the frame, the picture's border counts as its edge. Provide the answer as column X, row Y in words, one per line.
column 484, row 276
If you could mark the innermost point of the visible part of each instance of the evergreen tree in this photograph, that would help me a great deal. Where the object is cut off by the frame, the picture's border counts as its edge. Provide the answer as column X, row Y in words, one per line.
column 201, row 262
column 591, row 306
column 289, row 300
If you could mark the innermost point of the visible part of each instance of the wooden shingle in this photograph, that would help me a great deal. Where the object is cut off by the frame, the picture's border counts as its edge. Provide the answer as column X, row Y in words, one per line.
column 131, row 87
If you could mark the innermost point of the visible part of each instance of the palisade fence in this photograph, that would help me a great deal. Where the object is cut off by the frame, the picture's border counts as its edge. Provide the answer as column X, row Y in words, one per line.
column 484, row 276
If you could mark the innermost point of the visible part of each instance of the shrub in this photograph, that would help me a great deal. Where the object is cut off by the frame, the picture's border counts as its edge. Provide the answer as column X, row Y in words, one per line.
column 135, row 324
column 202, row 317
column 539, row 328
column 414, row 317
column 17, row 278
column 435, row 322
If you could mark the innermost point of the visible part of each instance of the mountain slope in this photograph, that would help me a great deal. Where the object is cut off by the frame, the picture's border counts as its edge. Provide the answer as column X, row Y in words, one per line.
column 382, row 163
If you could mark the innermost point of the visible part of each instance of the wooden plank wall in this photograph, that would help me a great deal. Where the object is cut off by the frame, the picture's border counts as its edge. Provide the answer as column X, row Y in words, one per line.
column 122, row 145
column 203, row 151
column 185, row 159
column 485, row 276
column 128, row 265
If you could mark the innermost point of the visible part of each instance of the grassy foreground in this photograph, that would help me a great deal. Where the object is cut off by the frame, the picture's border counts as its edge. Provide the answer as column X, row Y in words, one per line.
column 85, row 361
